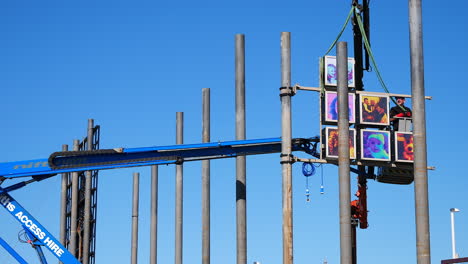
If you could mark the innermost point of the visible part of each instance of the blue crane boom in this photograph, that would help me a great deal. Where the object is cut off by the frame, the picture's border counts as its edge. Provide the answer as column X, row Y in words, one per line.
column 73, row 161
column 29, row 223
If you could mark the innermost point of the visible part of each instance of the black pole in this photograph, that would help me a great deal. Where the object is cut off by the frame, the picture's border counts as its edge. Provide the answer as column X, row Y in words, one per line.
column 353, row 242
column 358, row 70
column 366, row 22
column 361, row 58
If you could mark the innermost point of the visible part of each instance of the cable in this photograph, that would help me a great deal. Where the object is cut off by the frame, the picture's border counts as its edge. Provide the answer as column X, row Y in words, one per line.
column 308, row 169
column 341, row 32
column 322, row 189
column 322, row 59
column 371, row 55
column 23, row 237
column 356, row 12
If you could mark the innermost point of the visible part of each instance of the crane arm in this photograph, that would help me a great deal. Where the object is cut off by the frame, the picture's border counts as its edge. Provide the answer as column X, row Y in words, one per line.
column 34, row 228
column 12, row 252
column 73, row 161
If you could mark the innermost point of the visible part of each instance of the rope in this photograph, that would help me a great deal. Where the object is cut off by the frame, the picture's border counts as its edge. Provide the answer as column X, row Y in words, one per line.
column 367, row 45
column 341, row 32
column 308, row 169
column 371, row 55
column 322, row 189
column 322, row 59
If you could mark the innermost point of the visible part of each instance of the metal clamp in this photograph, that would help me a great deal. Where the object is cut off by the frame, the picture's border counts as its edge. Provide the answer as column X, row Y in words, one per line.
column 287, row 91
column 287, row 158
column 179, row 161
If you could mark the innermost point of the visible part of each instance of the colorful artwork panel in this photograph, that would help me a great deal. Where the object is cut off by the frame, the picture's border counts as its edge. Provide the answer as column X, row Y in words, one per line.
column 331, row 107
column 331, row 71
column 374, row 109
column 375, row 145
column 332, row 143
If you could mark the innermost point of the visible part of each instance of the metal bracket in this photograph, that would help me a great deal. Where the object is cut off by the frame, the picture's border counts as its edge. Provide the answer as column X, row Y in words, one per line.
column 287, row 91
column 357, row 5
column 179, row 161
column 287, row 158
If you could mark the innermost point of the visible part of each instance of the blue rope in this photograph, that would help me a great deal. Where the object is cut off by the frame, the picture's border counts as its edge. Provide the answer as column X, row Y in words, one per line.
column 308, row 169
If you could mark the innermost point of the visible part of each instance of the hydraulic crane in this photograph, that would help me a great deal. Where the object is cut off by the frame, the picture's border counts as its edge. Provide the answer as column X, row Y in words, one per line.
column 74, row 161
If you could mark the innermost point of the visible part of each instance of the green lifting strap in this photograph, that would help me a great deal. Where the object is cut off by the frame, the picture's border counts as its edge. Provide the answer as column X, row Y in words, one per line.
column 366, row 43
column 371, row 55
column 341, row 32
column 322, row 59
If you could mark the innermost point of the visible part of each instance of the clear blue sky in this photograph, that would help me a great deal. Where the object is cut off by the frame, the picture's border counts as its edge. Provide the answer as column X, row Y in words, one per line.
column 130, row 65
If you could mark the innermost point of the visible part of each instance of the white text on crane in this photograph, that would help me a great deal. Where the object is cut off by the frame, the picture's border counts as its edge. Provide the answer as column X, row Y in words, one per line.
column 29, row 222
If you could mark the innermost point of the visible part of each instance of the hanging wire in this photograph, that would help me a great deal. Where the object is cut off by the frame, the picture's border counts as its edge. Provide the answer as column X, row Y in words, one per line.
column 322, row 59
column 22, row 237
column 341, row 32
column 308, row 169
column 356, row 12
column 322, row 189
column 307, row 194
column 371, row 55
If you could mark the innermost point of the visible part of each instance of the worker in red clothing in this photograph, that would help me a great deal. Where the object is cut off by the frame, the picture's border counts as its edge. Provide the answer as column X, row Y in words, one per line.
column 400, row 110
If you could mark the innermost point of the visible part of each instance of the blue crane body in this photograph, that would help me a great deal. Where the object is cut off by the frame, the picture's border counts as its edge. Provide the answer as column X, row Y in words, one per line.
column 12, row 252
column 74, row 161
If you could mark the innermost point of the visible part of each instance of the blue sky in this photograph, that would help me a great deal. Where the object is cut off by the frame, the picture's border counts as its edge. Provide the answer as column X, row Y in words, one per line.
column 130, row 65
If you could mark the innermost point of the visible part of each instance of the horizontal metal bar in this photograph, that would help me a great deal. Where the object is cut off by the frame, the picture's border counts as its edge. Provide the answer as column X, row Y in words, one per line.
column 254, row 142
column 456, row 260
column 317, row 89
column 365, row 163
column 391, row 94
column 310, row 160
